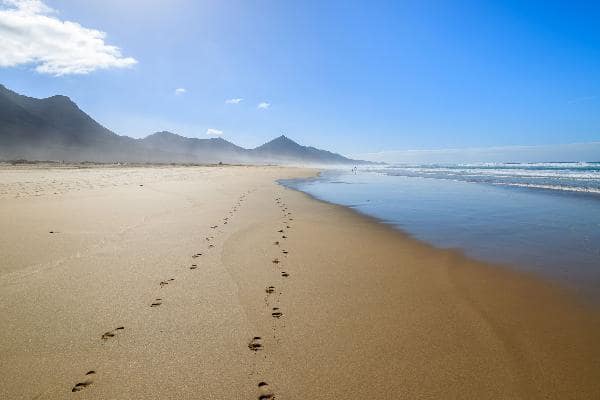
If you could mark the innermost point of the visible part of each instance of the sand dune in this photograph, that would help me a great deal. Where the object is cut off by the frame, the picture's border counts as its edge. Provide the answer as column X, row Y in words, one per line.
column 215, row 282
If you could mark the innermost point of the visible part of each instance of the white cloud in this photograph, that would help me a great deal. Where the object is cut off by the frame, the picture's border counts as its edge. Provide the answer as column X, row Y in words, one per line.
column 234, row 101
column 31, row 34
column 263, row 105
column 213, row 132
column 180, row 90
column 30, row 6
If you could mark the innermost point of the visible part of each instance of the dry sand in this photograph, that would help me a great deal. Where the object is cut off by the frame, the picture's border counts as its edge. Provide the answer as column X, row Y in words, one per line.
column 366, row 312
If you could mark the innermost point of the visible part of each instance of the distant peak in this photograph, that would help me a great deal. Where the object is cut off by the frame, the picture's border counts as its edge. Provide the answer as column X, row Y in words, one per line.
column 282, row 138
column 164, row 133
column 60, row 98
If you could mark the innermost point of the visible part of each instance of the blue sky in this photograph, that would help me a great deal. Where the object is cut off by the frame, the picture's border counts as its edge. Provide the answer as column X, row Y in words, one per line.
column 353, row 77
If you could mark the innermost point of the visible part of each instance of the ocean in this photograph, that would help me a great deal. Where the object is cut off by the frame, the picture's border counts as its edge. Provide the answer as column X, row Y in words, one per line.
column 542, row 217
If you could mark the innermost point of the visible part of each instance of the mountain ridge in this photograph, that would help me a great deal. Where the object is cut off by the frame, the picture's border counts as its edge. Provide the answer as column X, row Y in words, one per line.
column 55, row 128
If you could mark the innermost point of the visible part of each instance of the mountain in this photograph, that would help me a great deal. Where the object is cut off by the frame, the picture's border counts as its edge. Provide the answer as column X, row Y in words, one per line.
column 211, row 150
column 282, row 149
column 55, row 128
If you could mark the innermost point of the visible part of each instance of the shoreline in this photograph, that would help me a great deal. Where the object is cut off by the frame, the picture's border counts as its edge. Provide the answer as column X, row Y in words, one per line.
column 366, row 309
column 558, row 284
column 522, row 297
column 579, row 281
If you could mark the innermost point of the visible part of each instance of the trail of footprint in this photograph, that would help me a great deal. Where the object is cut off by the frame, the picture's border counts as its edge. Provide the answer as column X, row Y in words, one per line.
column 109, row 334
column 82, row 385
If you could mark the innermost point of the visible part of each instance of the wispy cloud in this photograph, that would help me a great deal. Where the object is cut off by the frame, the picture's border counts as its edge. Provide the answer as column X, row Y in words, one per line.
column 30, row 33
column 234, row 101
column 213, row 132
column 582, row 99
column 180, row 91
column 540, row 153
column 263, row 105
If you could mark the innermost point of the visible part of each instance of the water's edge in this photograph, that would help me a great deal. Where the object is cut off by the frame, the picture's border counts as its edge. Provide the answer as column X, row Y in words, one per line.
column 569, row 279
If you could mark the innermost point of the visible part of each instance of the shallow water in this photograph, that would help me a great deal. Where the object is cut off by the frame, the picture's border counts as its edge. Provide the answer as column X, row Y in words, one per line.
column 581, row 177
column 552, row 232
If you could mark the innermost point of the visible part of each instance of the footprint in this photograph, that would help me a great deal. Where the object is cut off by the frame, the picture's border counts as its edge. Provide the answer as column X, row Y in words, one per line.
column 284, row 237
column 276, row 313
column 284, row 251
column 285, row 274
column 265, row 392
column 270, row 289
column 163, row 283
column 196, row 255
column 156, row 303
column 109, row 334
column 194, row 266
column 214, row 227
column 276, row 261
column 211, row 245
column 280, row 231
column 255, row 344
column 276, row 243
column 82, row 385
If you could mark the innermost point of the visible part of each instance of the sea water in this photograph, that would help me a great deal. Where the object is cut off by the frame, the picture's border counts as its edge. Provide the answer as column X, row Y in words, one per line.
column 543, row 218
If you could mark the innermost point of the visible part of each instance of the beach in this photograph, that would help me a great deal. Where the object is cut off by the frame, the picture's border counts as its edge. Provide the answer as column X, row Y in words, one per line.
column 184, row 282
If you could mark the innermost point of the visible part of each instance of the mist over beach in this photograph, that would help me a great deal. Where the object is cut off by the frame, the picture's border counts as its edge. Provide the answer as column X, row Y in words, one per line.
column 277, row 200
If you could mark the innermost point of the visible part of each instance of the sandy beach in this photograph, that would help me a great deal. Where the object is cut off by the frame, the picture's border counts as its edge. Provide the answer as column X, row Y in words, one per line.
column 218, row 283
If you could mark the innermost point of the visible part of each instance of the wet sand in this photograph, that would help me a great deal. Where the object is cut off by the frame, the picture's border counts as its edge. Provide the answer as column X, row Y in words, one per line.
column 215, row 282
